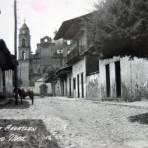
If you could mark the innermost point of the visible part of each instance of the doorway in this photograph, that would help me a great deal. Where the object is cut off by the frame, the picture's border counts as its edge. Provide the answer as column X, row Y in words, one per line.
column 65, row 94
column 82, row 85
column 107, row 67
column 62, row 87
column 78, row 86
column 70, row 87
column 118, row 78
column 74, row 87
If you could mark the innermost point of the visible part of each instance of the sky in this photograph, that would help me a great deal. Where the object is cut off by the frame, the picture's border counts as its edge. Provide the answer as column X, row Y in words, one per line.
column 43, row 17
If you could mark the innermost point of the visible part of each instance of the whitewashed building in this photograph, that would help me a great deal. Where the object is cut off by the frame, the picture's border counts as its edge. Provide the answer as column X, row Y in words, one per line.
column 73, row 77
column 88, row 75
column 123, row 78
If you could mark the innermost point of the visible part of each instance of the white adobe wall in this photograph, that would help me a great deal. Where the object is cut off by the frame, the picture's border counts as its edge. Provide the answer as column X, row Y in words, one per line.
column 102, row 76
column 36, row 88
column 77, row 69
column 136, row 84
column 134, row 77
column 9, row 81
column 1, row 81
column 92, row 87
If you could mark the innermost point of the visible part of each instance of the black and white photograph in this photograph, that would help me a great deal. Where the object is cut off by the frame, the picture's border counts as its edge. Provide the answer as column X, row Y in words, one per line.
column 73, row 74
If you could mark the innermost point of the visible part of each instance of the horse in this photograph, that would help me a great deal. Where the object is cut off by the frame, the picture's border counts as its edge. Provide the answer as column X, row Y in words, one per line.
column 23, row 94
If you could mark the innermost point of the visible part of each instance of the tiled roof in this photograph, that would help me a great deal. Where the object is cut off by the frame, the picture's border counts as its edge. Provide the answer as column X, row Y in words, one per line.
column 7, row 61
column 69, row 28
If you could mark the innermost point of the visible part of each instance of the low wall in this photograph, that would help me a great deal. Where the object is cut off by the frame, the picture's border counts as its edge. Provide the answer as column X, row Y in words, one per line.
column 36, row 88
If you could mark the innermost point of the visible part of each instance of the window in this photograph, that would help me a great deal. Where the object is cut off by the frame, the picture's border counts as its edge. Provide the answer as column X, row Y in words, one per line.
column 92, row 65
column 68, row 42
column 59, row 51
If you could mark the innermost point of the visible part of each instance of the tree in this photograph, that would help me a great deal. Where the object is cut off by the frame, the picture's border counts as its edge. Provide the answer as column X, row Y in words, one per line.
column 51, row 77
column 50, row 74
column 121, row 28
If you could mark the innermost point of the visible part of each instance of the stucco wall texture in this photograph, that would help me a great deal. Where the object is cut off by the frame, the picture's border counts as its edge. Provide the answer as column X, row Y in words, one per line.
column 92, row 87
column 134, row 78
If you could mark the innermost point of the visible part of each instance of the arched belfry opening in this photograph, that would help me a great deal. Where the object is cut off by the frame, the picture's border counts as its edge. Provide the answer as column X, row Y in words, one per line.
column 23, row 43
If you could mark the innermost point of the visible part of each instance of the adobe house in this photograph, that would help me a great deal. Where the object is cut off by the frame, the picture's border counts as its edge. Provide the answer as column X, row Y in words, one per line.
column 81, row 70
column 96, row 75
column 122, row 76
column 63, row 85
column 7, row 66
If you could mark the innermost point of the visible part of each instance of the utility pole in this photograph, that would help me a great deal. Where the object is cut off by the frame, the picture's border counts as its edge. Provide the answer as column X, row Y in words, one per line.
column 15, row 52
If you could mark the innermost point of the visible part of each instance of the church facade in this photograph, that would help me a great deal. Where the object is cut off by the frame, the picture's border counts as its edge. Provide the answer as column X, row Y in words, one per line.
column 34, row 66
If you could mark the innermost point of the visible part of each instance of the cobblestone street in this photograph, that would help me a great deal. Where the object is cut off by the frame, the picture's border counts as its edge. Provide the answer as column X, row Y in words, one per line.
column 85, row 124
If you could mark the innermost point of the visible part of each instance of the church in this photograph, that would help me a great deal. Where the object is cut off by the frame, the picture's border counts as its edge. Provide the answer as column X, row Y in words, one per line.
column 34, row 66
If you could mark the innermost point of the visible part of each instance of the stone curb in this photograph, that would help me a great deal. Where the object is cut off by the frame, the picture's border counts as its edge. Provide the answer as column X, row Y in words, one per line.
column 105, row 102
column 125, row 105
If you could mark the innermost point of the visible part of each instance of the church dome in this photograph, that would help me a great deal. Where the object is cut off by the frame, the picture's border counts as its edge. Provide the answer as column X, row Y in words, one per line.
column 24, row 29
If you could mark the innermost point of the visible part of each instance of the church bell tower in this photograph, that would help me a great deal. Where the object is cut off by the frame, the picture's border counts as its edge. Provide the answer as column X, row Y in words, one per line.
column 24, row 51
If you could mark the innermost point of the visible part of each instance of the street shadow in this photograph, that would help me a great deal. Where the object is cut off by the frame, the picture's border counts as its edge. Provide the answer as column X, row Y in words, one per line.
column 35, row 131
column 11, row 105
column 141, row 118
